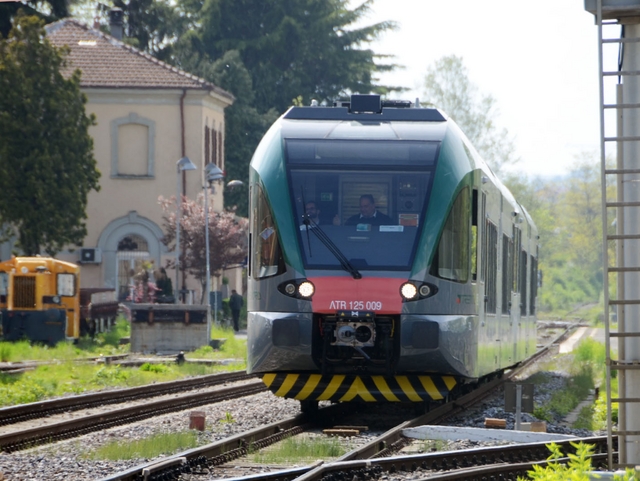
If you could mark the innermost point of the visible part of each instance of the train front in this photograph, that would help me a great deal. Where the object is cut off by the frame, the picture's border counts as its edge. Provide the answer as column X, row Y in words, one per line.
column 339, row 246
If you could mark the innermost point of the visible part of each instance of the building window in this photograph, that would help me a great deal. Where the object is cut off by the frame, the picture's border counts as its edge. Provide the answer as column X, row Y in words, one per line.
column 132, row 147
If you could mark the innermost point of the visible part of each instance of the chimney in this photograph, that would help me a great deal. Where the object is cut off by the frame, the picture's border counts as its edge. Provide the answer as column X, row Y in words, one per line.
column 115, row 22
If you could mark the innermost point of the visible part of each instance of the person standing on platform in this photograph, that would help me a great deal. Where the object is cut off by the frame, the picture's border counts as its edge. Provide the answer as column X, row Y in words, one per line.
column 235, row 304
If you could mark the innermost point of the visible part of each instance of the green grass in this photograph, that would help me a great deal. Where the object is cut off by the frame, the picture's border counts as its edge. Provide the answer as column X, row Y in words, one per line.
column 300, row 450
column 72, row 378
column 105, row 343
column 586, row 370
column 163, row 443
column 64, row 376
column 233, row 347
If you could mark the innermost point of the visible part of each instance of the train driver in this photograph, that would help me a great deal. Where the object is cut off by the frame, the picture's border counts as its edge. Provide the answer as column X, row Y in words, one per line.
column 369, row 214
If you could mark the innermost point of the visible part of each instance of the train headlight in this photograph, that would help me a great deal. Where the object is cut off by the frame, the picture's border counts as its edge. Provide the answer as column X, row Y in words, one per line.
column 297, row 288
column 408, row 291
column 306, row 289
column 413, row 292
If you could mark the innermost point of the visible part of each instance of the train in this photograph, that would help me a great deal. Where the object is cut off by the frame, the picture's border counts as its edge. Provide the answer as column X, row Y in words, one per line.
column 39, row 299
column 387, row 262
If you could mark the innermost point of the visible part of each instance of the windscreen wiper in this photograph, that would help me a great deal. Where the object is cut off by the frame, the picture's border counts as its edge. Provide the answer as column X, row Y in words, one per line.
column 329, row 244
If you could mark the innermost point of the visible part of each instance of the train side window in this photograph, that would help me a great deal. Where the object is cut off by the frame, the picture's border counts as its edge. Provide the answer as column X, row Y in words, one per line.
column 523, row 283
column 515, row 259
column 4, row 283
column 452, row 256
column 533, row 290
column 490, row 267
column 266, row 255
column 507, row 272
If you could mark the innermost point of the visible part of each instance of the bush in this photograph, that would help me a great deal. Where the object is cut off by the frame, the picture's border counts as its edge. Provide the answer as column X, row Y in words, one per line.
column 577, row 469
column 157, row 368
column 108, row 375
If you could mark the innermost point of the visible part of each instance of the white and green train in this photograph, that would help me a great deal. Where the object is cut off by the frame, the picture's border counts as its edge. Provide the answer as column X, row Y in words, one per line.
column 387, row 262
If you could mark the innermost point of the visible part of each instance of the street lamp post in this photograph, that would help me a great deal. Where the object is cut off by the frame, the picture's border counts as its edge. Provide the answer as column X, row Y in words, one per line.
column 183, row 164
column 212, row 174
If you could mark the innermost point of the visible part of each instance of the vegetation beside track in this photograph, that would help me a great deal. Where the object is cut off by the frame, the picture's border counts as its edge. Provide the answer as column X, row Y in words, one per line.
column 585, row 368
column 147, row 448
column 577, row 469
column 63, row 375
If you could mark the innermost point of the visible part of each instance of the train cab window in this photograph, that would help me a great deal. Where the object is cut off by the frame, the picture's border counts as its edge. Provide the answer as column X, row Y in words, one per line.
column 4, row 288
column 339, row 178
column 66, row 285
column 266, row 254
column 453, row 255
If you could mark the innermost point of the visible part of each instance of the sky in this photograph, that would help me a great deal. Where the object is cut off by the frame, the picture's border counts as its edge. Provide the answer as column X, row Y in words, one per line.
column 538, row 59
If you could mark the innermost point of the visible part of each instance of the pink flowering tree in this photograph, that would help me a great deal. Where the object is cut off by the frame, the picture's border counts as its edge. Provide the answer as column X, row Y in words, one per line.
column 227, row 237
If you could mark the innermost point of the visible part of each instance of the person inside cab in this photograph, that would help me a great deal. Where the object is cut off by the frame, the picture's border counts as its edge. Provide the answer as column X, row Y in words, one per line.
column 312, row 214
column 369, row 214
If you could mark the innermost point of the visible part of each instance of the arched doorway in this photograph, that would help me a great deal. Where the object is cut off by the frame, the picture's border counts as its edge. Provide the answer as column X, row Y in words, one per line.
column 132, row 257
column 125, row 244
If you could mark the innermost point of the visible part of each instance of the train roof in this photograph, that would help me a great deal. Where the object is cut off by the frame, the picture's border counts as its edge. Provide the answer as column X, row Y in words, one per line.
column 31, row 264
column 366, row 117
column 367, row 107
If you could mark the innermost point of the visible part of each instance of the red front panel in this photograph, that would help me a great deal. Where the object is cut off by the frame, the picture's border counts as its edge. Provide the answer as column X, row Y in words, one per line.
column 378, row 294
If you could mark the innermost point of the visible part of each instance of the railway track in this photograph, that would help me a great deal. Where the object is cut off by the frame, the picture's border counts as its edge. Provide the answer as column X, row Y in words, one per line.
column 24, row 438
column 23, row 366
column 23, row 412
column 374, row 457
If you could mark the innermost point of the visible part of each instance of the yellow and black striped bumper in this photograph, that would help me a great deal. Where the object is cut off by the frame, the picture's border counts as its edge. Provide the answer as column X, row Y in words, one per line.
column 344, row 388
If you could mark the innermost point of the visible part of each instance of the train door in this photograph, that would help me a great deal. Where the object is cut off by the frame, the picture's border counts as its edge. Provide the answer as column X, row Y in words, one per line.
column 489, row 274
column 506, row 285
column 517, row 295
column 477, row 247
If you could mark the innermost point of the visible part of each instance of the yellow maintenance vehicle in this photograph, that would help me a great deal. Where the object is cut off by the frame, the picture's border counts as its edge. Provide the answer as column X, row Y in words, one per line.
column 39, row 299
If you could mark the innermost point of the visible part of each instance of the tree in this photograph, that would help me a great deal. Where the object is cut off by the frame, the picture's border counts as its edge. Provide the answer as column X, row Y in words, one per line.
column 270, row 52
column 47, row 168
column 567, row 213
column 244, row 126
column 227, row 237
column 447, row 87
column 291, row 48
column 8, row 10
column 149, row 25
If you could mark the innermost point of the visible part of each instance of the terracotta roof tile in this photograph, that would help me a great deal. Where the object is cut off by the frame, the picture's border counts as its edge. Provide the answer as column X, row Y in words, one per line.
column 109, row 63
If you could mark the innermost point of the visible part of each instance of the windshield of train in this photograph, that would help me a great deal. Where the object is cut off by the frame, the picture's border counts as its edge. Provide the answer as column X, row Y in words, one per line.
column 366, row 198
